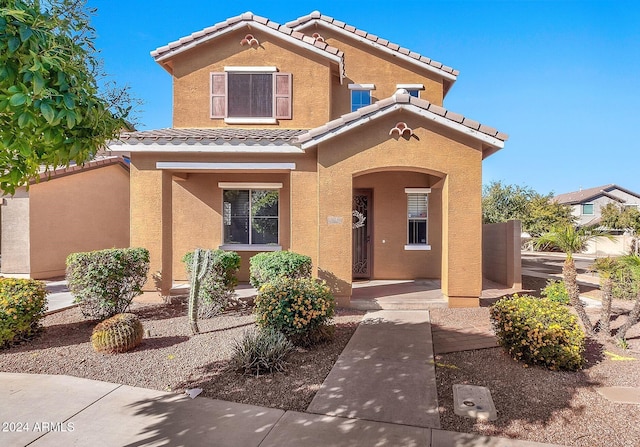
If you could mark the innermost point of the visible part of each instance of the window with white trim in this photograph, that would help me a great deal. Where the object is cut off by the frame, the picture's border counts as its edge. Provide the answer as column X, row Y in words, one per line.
column 250, row 216
column 251, row 94
column 417, row 218
column 587, row 209
column 360, row 95
column 412, row 89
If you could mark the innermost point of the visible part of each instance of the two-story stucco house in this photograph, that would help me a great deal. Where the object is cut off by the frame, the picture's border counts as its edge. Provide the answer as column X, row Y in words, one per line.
column 315, row 137
column 587, row 204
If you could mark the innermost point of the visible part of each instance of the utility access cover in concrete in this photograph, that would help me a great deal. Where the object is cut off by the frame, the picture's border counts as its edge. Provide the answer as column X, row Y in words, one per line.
column 474, row 402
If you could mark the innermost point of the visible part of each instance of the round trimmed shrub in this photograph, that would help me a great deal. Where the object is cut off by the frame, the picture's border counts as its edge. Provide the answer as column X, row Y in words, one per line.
column 105, row 282
column 120, row 333
column 267, row 266
column 300, row 308
column 539, row 331
column 23, row 303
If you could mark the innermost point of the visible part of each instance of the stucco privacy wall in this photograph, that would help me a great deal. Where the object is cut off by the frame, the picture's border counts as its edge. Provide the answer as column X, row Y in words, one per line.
column 85, row 211
column 15, row 237
column 501, row 259
column 311, row 76
column 433, row 150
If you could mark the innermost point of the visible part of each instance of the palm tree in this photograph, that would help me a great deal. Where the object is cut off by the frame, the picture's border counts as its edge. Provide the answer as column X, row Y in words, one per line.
column 571, row 240
column 632, row 262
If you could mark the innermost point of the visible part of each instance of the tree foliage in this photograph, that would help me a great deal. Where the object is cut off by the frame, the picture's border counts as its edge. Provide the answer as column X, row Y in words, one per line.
column 538, row 213
column 51, row 110
column 621, row 218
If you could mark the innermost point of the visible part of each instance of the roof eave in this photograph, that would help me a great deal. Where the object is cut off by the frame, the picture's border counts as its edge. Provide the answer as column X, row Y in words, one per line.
column 164, row 57
column 489, row 143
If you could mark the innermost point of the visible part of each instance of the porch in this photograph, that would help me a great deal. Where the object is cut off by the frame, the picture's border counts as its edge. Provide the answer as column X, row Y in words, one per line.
column 420, row 294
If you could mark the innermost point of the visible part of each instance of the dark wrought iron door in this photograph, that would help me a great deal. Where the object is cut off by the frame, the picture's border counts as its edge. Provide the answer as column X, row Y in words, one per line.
column 361, row 247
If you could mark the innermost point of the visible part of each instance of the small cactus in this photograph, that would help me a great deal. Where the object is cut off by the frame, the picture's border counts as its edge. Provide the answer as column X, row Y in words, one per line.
column 120, row 333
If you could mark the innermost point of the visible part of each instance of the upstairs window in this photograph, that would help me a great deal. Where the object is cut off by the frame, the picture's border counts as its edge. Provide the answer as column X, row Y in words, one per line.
column 251, row 95
column 587, row 209
column 417, row 218
column 412, row 89
column 360, row 95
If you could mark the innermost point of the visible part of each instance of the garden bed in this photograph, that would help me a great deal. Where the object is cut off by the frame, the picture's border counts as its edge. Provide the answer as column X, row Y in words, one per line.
column 171, row 359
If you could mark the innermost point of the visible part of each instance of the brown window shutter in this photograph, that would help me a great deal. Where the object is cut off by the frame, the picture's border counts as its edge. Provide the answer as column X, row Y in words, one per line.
column 282, row 86
column 218, row 95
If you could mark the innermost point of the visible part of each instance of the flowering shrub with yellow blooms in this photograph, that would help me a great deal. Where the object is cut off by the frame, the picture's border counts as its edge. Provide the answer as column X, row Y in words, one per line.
column 23, row 303
column 538, row 331
column 300, row 308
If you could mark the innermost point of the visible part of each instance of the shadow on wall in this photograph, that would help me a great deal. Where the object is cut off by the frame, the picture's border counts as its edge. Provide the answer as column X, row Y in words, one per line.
column 338, row 286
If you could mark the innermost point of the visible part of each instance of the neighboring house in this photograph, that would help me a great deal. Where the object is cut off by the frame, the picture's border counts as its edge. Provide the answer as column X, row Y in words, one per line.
column 314, row 137
column 74, row 209
column 588, row 203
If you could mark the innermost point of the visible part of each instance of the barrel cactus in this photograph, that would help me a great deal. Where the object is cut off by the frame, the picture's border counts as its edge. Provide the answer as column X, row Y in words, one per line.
column 120, row 333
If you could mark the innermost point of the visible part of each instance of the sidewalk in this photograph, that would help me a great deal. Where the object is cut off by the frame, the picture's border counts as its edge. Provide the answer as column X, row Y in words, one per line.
column 380, row 392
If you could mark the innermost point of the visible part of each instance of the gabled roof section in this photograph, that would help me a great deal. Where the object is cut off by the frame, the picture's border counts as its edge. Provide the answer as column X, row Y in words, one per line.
column 377, row 42
column 584, row 195
column 63, row 171
column 492, row 140
column 163, row 54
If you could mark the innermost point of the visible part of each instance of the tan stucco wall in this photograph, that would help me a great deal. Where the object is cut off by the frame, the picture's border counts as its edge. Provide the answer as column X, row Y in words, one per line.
column 501, row 253
column 197, row 215
column 311, row 74
column 15, row 233
column 389, row 219
column 193, row 208
column 85, row 211
column 365, row 65
column 434, row 150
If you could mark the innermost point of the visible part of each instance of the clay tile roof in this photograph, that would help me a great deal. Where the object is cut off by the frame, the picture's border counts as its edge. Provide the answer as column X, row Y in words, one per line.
column 575, row 197
column 214, row 135
column 99, row 161
column 315, row 15
column 405, row 100
column 211, row 32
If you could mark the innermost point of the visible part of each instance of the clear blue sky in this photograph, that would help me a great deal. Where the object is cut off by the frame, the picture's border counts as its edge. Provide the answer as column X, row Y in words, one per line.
column 562, row 78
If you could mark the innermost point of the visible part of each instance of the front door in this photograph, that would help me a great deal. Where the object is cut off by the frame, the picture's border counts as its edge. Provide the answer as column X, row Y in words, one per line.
column 361, row 224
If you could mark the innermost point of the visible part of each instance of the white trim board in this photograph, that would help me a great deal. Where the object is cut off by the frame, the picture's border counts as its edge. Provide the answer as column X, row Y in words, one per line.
column 198, row 166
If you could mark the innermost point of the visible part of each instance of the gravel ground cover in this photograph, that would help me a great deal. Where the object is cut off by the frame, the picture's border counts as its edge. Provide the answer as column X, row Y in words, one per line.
column 171, row 359
column 540, row 405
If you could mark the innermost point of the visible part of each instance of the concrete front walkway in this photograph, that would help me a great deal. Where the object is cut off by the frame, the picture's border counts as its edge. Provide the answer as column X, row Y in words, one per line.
column 386, row 372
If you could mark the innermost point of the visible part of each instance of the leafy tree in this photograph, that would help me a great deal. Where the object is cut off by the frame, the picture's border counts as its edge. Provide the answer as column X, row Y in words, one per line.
column 51, row 109
column 622, row 218
column 538, row 213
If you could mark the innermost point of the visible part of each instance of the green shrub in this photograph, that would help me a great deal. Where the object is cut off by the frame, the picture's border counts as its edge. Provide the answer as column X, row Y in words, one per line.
column 267, row 266
column 297, row 307
column 120, row 333
column 260, row 351
column 218, row 284
column 556, row 291
column 105, row 282
column 23, row 303
column 539, row 331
